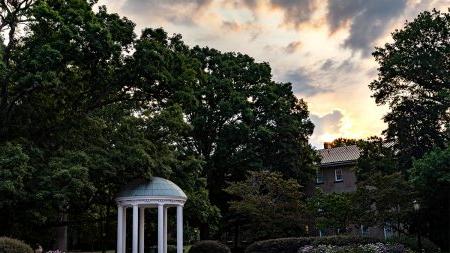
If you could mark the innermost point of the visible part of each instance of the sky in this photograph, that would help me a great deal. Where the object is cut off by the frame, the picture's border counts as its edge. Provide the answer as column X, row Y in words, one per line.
column 323, row 47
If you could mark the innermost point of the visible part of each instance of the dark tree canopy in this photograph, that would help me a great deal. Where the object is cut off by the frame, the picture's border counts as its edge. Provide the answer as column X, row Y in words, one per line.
column 86, row 106
column 414, row 81
column 342, row 142
column 377, row 156
column 242, row 120
column 431, row 177
column 268, row 206
column 333, row 212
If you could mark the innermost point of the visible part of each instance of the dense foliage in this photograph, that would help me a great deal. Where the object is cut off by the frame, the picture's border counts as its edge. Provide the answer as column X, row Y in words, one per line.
column 342, row 142
column 334, row 211
column 414, row 81
column 385, row 199
column 10, row 245
column 268, row 206
column 242, row 120
column 86, row 106
column 209, row 247
column 430, row 175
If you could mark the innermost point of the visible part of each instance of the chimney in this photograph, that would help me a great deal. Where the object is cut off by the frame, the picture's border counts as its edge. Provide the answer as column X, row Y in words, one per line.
column 327, row 145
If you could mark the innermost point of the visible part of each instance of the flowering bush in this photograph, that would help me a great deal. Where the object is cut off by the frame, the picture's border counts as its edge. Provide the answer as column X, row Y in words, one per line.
column 10, row 245
column 55, row 251
column 291, row 245
column 362, row 248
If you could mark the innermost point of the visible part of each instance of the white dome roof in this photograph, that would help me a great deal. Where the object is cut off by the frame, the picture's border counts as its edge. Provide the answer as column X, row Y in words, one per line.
column 156, row 187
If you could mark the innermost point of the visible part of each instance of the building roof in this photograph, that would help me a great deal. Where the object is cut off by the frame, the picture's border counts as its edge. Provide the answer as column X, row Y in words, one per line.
column 339, row 155
column 156, row 187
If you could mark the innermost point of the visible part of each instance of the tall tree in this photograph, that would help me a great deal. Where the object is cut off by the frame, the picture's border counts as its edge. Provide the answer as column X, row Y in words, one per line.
column 414, row 81
column 384, row 199
column 333, row 211
column 268, row 205
column 13, row 14
column 384, row 195
column 80, row 125
column 431, row 177
column 242, row 120
column 89, row 106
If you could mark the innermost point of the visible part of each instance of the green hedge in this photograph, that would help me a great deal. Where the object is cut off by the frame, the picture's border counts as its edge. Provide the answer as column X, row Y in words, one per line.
column 9, row 245
column 292, row 245
column 209, row 247
column 285, row 245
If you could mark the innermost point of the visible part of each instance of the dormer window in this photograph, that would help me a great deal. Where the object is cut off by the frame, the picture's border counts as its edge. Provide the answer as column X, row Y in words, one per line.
column 338, row 175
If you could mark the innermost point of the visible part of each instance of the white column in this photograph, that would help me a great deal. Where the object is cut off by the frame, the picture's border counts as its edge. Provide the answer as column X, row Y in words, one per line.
column 119, row 228
column 165, row 229
column 160, row 228
column 124, row 232
column 141, row 229
column 135, row 228
column 180, row 229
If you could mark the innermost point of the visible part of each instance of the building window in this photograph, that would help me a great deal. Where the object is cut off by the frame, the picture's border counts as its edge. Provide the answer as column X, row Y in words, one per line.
column 364, row 230
column 338, row 175
column 388, row 231
column 319, row 176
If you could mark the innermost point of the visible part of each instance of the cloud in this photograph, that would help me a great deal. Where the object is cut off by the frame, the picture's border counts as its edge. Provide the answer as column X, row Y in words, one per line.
column 368, row 20
column 252, row 29
column 293, row 47
column 295, row 12
column 339, row 66
column 302, row 83
column 327, row 65
column 231, row 25
column 327, row 127
column 175, row 11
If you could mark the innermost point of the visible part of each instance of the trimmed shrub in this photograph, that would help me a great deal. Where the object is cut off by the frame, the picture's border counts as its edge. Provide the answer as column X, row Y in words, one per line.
column 285, row 245
column 209, row 247
column 292, row 245
column 411, row 242
column 9, row 245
